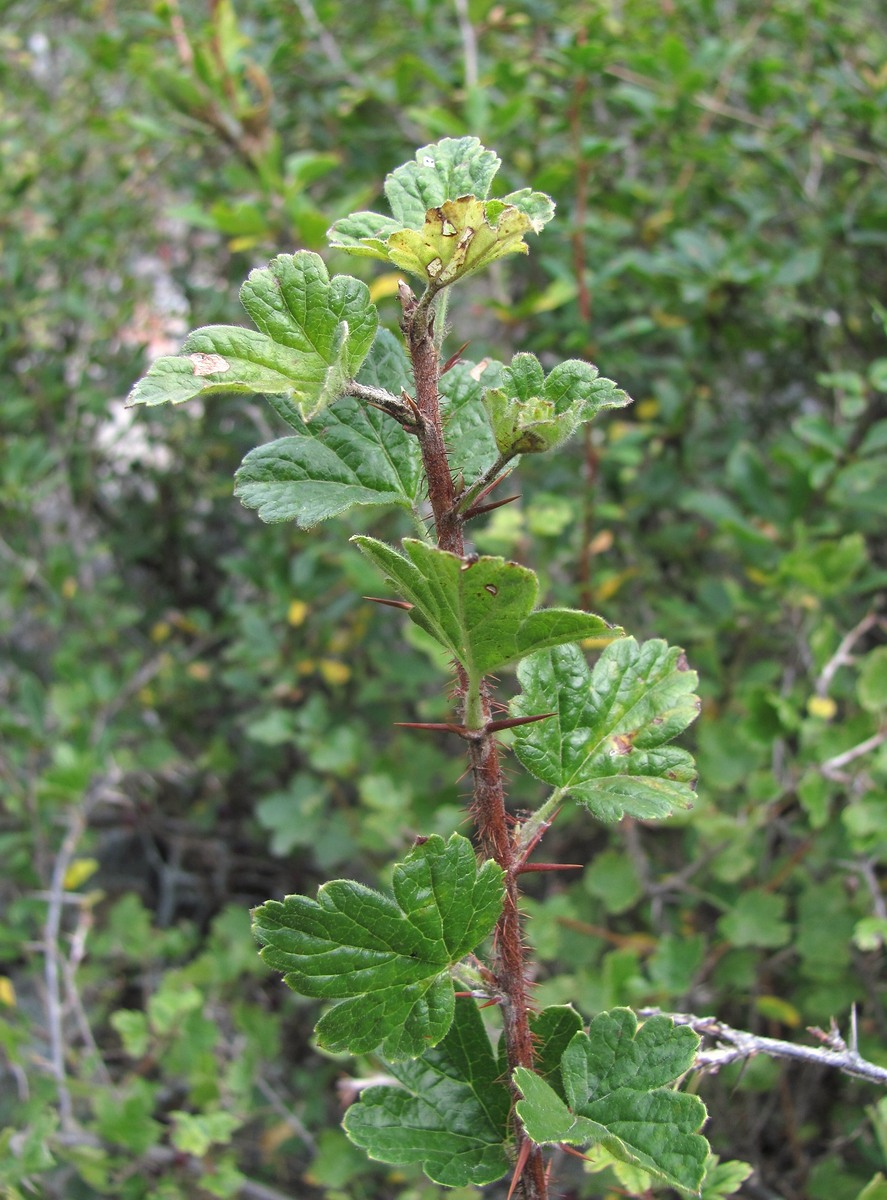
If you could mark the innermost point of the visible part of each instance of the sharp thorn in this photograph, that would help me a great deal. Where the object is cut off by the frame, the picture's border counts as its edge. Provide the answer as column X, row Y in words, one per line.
column 390, row 603
column 488, row 1003
column 477, row 510
column 491, row 487
column 522, row 1159
column 540, row 833
column 528, row 867
column 454, row 358
column 512, row 722
column 576, row 1153
column 433, row 726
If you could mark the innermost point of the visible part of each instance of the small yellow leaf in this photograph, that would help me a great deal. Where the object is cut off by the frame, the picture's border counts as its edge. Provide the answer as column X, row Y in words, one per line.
column 78, row 872
column 274, row 1137
column 333, row 671
column 146, row 697
column 666, row 320
column 647, row 409
column 607, row 588
column 656, row 222
column 200, row 671
column 385, row 285
column 620, row 429
column 7, row 992
column 756, row 575
column 778, row 1009
column 246, row 242
column 823, row 707
column 297, row 612
column 160, row 631
column 69, row 588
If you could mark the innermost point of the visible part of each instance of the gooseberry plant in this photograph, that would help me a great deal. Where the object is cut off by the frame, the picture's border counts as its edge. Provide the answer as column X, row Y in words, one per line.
column 379, row 421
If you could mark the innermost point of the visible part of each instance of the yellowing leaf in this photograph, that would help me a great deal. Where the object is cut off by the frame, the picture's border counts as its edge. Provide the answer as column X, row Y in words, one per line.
column 333, row 671
column 78, row 872
column 297, row 612
column 7, row 992
column 385, row 285
column 607, row 588
column 777, row 1009
column 823, row 707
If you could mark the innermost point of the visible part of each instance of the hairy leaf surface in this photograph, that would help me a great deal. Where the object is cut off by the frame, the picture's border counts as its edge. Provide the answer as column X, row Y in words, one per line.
column 386, row 959
column 480, row 610
column 313, row 335
column 553, row 1029
column 470, row 443
column 443, row 226
column 351, row 455
column 450, row 1113
column 616, row 1094
column 530, row 413
column 606, row 744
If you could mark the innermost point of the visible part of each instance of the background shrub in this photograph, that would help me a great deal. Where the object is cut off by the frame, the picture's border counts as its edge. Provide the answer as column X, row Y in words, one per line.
column 196, row 709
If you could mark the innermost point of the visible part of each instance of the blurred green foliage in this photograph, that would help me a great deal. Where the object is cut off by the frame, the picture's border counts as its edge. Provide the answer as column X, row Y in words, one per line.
column 196, row 709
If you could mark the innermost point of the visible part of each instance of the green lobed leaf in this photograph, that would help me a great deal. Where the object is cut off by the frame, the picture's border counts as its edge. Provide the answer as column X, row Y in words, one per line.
column 480, row 610
column 313, row 334
column 443, row 226
column 872, row 685
column 552, row 1030
column 616, row 1090
column 536, row 205
column 387, row 365
column 364, row 234
column 386, row 959
column 450, row 1113
column 352, row 455
column 470, row 444
column 445, row 170
column 606, row 743
column 530, row 413
column 724, row 1179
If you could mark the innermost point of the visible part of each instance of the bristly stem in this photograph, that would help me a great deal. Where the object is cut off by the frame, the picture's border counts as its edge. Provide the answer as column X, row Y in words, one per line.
column 422, row 328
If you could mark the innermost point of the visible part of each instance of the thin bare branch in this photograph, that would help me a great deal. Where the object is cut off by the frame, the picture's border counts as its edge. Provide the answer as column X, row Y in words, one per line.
column 831, row 768
column 52, row 962
column 741, row 1045
column 843, row 657
column 285, row 1113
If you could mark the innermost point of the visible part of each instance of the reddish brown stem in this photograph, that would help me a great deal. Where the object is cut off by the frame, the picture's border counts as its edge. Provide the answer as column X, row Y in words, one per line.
column 418, row 330
column 508, row 967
